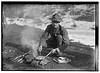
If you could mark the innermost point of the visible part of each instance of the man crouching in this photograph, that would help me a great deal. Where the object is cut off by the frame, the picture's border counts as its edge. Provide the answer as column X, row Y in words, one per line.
column 59, row 35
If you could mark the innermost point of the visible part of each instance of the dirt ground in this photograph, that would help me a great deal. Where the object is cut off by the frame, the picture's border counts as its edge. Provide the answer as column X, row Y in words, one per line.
column 84, row 60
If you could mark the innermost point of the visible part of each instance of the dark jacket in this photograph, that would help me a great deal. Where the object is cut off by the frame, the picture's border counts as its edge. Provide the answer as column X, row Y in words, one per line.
column 50, row 30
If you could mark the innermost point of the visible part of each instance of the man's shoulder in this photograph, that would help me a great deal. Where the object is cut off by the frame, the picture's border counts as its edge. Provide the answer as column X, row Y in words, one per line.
column 63, row 28
column 49, row 26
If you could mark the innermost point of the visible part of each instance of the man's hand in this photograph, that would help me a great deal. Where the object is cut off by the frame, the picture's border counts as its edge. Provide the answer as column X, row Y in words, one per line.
column 54, row 50
column 39, row 49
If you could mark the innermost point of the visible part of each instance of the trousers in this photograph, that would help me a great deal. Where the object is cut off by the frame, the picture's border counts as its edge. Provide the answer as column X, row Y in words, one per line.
column 56, row 42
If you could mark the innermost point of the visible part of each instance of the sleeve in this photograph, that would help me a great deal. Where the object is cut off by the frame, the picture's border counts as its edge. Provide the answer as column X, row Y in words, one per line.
column 46, row 32
column 44, row 35
column 65, row 36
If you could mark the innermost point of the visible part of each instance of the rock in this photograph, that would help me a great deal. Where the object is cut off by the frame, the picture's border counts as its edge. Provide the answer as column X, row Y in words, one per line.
column 29, row 58
column 44, row 62
column 9, row 52
column 35, row 63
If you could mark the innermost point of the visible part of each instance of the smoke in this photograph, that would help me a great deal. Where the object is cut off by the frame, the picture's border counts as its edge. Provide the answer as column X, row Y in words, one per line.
column 30, row 37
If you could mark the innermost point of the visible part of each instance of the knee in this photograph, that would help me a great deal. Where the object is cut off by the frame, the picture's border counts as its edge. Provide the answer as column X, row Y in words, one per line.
column 62, row 48
column 59, row 37
column 59, row 40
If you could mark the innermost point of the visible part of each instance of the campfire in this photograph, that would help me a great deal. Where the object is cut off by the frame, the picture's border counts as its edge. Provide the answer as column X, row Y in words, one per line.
column 30, row 38
column 32, row 57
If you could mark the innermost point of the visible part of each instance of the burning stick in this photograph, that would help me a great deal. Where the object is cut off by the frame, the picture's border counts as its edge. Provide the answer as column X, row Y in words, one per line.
column 48, row 54
column 19, row 58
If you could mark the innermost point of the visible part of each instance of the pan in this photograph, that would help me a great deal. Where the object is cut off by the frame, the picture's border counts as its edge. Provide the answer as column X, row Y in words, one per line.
column 43, row 57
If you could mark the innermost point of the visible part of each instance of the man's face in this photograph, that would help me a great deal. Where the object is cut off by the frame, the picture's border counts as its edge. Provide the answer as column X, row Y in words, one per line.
column 55, row 24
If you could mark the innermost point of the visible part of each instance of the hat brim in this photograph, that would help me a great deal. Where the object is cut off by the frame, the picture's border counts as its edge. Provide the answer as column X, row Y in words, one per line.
column 56, row 20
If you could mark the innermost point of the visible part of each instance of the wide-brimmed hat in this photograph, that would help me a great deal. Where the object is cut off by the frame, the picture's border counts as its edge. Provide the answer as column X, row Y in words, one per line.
column 56, row 18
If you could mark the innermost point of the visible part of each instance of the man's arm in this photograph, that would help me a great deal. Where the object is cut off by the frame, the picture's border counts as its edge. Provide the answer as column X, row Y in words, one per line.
column 65, row 36
column 45, row 35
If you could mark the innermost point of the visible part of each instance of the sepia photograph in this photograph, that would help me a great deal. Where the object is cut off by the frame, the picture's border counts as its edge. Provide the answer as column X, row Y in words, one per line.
column 49, row 36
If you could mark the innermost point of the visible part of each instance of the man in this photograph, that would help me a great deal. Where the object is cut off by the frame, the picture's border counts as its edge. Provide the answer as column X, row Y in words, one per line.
column 59, row 35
